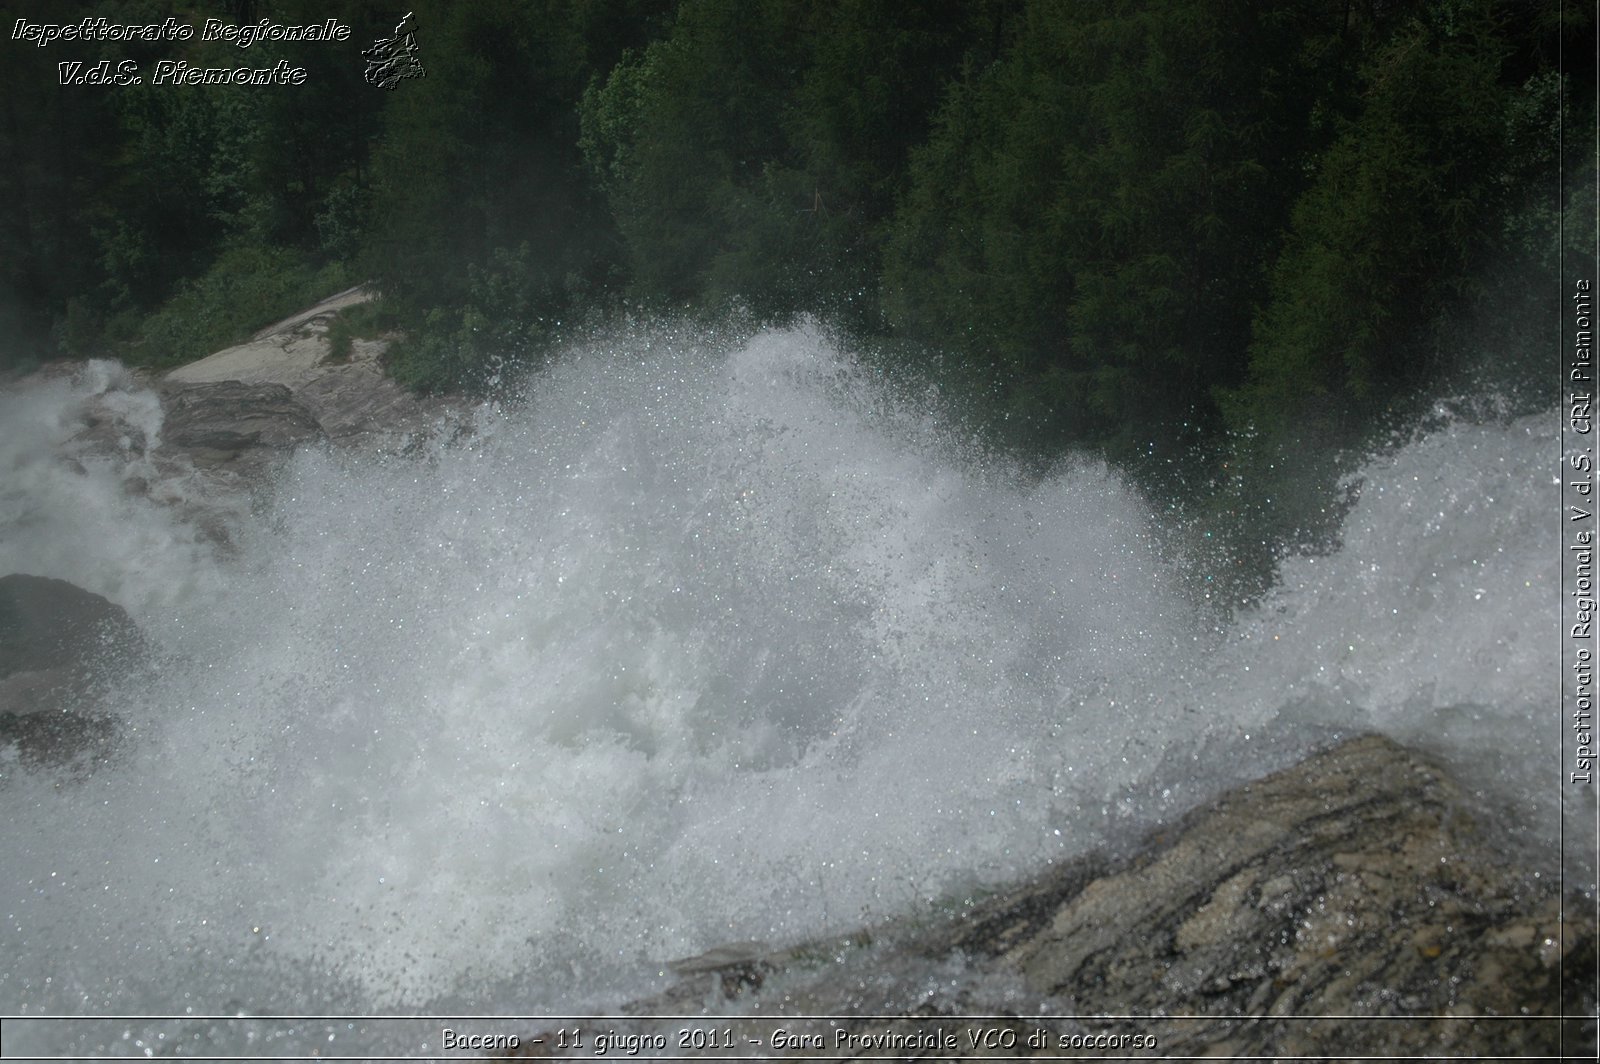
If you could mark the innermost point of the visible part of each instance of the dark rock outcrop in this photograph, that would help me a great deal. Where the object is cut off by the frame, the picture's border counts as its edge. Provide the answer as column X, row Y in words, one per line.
column 1353, row 886
column 221, row 425
column 349, row 399
column 1347, row 907
column 219, row 422
column 57, row 642
column 48, row 624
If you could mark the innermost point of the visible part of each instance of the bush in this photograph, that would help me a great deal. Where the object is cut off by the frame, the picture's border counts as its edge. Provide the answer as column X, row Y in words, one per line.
column 245, row 289
column 514, row 311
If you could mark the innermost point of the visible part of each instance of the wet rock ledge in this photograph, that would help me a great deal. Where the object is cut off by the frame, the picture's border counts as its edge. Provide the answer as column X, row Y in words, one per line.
column 205, row 440
column 57, row 643
column 1349, row 906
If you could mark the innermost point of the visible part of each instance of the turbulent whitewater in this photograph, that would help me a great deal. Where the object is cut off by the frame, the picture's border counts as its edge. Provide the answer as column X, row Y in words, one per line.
column 700, row 641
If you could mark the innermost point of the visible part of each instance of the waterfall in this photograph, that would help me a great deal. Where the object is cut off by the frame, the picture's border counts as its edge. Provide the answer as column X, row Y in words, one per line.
column 702, row 640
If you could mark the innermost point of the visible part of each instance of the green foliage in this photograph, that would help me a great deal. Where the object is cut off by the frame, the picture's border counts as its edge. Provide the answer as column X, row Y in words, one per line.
column 1413, row 250
column 681, row 135
column 1238, row 236
column 505, row 319
column 54, row 170
column 753, row 154
column 1388, row 232
column 1092, row 211
column 479, row 205
column 341, row 221
column 372, row 319
column 246, row 288
column 182, row 165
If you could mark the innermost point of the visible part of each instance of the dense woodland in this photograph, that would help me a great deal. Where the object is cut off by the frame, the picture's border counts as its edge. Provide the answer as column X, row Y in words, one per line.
column 1224, row 239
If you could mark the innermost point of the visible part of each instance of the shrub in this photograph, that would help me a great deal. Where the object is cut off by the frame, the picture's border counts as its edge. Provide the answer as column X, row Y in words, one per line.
column 245, row 289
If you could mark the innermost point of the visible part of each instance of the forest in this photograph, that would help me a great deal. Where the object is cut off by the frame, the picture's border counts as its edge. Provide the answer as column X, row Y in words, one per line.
column 1221, row 243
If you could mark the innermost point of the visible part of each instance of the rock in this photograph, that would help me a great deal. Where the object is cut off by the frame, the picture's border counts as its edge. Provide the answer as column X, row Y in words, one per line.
column 1354, row 885
column 345, row 399
column 78, row 741
column 23, row 694
column 220, row 422
column 48, row 624
column 1348, row 906
column 357, row 397
column 733, row 968
column 57, row 641
column 289, row 352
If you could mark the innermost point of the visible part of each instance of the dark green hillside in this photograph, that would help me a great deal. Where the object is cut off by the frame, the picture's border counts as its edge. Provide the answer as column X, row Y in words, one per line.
column 1223, row 236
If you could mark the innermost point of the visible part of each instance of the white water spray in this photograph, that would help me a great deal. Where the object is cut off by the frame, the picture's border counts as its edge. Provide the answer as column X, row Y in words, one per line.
column 705, row 642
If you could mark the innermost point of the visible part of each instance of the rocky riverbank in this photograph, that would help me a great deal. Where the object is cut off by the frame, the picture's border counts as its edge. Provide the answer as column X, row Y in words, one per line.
column 204, row 439
column 1351, row 906
column 285, row 386
column 58, row 643
column 236, row 412
column 1357, row 904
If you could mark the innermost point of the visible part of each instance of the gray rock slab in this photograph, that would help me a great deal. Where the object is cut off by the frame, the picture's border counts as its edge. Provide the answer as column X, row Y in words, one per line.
column 349, row 400
column 218, row 422
column 58, row 645
column 49, row 625
column 1350, row 906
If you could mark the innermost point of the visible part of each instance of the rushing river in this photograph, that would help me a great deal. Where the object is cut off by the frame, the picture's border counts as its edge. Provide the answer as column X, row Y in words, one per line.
column 699, row 643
